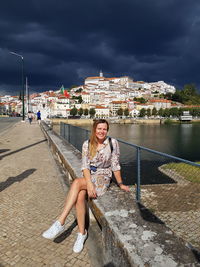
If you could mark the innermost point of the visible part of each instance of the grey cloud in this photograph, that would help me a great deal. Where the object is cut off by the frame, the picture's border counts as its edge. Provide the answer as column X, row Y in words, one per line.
column 65, row 41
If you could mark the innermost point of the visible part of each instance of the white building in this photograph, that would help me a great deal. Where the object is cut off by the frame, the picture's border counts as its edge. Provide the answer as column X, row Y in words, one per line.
column 102, row 112
column 160, row 103
column 162, row 87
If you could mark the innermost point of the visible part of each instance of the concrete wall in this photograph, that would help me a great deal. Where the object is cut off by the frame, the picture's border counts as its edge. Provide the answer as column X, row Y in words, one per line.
column 125, row 233
column 80, row 122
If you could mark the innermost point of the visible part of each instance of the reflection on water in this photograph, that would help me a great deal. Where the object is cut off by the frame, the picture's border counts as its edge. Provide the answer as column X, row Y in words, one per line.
column 180, row 140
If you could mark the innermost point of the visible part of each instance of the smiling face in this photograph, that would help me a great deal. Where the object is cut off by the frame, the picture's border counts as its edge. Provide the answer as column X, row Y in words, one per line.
column 101, row 131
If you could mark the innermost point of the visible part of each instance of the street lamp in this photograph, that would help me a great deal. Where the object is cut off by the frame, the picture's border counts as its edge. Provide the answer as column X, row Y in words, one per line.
column 23, row 109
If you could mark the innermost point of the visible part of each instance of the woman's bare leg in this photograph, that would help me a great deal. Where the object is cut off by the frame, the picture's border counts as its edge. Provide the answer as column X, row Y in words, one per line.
column 81, row 211
column 77, row 185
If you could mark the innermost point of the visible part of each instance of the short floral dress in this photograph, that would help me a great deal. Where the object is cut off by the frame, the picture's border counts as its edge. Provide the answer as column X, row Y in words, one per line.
column 104, row 161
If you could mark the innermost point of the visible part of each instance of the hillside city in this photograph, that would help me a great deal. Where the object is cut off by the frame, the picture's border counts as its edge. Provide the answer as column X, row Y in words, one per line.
column 99, row 97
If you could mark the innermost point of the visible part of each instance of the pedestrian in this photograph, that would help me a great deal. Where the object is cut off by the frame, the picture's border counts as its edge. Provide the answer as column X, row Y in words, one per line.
column 30, row 116
column 98, row 163
column 39, row 116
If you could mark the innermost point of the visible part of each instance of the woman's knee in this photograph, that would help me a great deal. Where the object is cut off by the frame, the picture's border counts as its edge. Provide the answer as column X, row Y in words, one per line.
column 76, row 183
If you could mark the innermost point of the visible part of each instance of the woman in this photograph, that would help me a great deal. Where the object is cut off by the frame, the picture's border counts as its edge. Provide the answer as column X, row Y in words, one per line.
column 98, row 162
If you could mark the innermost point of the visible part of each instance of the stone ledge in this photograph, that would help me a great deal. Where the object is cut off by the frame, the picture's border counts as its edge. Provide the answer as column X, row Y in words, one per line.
column 131, row 235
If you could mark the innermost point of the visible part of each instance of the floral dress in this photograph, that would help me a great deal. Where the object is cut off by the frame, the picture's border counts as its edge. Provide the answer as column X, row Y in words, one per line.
column 104, row 161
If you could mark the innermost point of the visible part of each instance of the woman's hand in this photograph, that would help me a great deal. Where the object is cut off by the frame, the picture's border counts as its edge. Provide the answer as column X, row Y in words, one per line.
column 124, row 187
column 91, row 190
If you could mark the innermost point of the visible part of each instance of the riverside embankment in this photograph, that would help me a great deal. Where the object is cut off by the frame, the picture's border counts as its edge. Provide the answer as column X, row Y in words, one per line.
column 80, row 122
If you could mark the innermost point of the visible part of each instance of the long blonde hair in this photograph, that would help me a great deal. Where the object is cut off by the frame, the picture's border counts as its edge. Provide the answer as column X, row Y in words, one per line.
column 93, row 139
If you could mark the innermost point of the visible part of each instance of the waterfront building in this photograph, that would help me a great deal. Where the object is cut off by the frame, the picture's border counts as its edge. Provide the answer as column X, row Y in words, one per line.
column 160, row 103
column 116, row 105
column 186, row 116
column 102, row 112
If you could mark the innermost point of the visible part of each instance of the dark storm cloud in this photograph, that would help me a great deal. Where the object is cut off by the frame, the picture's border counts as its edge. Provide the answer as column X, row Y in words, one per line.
column 65, row 41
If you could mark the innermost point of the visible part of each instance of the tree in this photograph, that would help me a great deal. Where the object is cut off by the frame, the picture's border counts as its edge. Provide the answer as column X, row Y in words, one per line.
column 154, row 111
column 79, row 90
column 120, row 112
column 92, row 112
column 73, row 111
column 80, row 112
column 148, row 112
column 142, row 112
column 126, row 112
column 161, row 112
column 174, row 112
column 80, row 100
column 166, row 112
column 140, row 99
column 86, row 112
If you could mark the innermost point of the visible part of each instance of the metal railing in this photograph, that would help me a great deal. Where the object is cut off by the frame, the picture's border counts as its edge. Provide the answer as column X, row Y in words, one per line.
column 167, row 185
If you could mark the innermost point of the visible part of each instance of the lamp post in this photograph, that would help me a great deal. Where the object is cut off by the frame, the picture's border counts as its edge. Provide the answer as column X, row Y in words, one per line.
column 23, row 108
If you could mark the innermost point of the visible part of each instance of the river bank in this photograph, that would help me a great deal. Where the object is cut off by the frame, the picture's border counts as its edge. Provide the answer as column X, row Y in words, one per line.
column 80, row 122
column 117, row 121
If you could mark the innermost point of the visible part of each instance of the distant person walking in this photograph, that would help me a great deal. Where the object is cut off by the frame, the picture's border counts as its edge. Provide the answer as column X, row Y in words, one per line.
column 39, row 116
column 30, row 116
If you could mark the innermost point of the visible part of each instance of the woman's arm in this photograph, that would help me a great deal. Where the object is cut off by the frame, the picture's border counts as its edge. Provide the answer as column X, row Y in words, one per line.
column 118, row 178
column 90, row 186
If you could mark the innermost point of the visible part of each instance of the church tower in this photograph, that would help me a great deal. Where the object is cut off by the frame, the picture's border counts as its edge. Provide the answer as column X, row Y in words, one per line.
column 101, row 73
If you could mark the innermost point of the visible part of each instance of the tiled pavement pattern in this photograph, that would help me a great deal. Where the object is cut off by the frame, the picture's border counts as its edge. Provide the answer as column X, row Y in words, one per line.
column 178, row 206
column 31, row 196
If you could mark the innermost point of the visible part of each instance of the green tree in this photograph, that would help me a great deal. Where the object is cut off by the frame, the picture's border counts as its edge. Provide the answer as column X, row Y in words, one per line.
column 126, row 112
column 148, row 112
column 79, row 90
column 174, row 112
column 92, row 112
column 166, row 113
column 80, row 100
column 154, row 111
column 142, row 100
column 161, row 112
column 189, row 90
column 73, row 111
column 142, row 112
column 120, row 112
column 80, row 112
column 86, row 112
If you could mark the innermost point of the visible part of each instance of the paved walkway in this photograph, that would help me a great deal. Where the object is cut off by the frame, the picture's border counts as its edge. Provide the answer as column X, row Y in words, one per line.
column 31, row 197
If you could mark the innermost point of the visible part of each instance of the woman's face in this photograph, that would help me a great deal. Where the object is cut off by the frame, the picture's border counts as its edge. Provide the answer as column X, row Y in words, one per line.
column 101, row 131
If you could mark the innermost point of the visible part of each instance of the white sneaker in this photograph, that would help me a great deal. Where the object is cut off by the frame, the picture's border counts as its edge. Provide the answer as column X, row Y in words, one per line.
column 54, row 230
column 78, row 246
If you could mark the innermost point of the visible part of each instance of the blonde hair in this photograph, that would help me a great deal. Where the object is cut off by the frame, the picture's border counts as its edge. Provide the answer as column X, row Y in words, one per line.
column 93, row 139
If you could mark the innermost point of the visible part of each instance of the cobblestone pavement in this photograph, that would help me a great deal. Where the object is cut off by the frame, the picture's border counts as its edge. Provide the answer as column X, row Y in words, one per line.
column 177, row 205
column 31, row 197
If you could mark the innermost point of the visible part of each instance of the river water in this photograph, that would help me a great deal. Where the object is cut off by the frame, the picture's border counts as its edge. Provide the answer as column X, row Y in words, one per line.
column 180, row 140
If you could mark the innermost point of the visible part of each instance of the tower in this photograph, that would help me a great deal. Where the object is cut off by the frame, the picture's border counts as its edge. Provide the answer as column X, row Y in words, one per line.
column 101, row 73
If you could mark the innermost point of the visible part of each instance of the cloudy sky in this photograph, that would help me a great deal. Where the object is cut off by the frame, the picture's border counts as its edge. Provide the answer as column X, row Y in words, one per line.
column 65, row 41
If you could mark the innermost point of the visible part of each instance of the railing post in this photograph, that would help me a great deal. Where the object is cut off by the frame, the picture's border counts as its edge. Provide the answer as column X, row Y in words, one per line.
column 61, row 129
column 69, row 133
column 138, row 176
column 87, row 134
column 64, row 128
